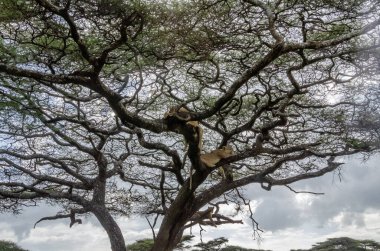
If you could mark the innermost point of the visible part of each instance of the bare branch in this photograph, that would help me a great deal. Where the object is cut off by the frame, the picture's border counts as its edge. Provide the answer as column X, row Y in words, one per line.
column 307, row 192
column 71, row 215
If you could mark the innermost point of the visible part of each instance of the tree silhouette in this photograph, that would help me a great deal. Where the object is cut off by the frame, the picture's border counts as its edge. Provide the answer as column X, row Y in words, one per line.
column 344, row 243
column 169, row 110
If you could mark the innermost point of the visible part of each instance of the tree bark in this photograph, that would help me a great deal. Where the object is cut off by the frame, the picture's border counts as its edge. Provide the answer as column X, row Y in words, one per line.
column 111, row 227
column 170, row 232
column 177, row 216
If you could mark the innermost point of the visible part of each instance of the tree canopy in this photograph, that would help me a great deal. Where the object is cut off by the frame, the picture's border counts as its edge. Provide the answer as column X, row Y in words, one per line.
column 218, row 244
column 168, row 109
column 141, row 245
column 344, row 243
column 9, row 246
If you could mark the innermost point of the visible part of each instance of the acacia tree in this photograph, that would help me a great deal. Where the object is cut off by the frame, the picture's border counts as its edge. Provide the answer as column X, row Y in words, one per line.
column 344, row 243
column 86, row 87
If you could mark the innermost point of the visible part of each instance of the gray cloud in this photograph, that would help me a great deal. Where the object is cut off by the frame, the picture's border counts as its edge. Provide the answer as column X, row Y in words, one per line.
column 355, row 219
column 276, row 210
column 356, row 192
column 279, row 210
column 23, row 223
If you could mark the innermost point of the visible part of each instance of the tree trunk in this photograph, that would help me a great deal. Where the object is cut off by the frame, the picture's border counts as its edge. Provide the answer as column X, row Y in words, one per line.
column 111, row 227
column 177, row 215
column 171, row 229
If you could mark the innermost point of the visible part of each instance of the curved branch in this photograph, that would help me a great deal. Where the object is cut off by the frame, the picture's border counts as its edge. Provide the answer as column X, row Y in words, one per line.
column 262, row 177
column 314, row 45
column 71, row 215
column 275, row 52
column 43, row 76
column 271, row 18
column 46, row 177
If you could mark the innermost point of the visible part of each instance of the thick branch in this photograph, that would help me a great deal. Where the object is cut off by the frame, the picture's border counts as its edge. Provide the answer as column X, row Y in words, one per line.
column 276, row 52
column 42, row 76
column 219, row 189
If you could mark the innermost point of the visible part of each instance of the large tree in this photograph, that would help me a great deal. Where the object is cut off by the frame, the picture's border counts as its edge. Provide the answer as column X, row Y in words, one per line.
column 108, row 106
column 342, row 244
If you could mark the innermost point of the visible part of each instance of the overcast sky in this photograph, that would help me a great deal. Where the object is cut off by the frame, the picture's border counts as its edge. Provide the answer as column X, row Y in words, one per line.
column 350, row 207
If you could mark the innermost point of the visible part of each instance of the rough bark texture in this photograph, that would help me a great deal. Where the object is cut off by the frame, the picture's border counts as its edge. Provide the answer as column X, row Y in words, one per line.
column 109, row 224
column 178, row 214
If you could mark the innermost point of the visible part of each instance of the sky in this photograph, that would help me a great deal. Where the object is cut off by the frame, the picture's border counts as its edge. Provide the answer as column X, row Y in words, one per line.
column 350, row 207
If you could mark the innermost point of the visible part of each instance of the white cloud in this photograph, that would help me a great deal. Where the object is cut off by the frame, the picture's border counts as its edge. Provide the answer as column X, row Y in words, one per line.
column 372, row 220
column 304, row 200
column 368, row 229
column 7, row 233
column 59, row 237
column 309, row 233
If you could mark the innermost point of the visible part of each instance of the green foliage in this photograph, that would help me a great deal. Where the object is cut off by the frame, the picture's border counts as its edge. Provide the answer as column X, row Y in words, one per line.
column 238, row 248
column 10, row 10
column 356, row 144
column 213, row 245
column 8, row 104
column 141, row 245
column 334, row 31
column 216, row 245
column 10, row 246
column 147, row 244
column 344, row 244
column 6, row 51
column 15, row 10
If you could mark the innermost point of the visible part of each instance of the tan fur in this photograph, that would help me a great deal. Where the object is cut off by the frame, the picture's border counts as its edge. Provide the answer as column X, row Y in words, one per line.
column 183, row 109
column 193, row 123
column 183, row 113
column 200, row 216
column 199, row 131
column 172, row 111
column 210, row 159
